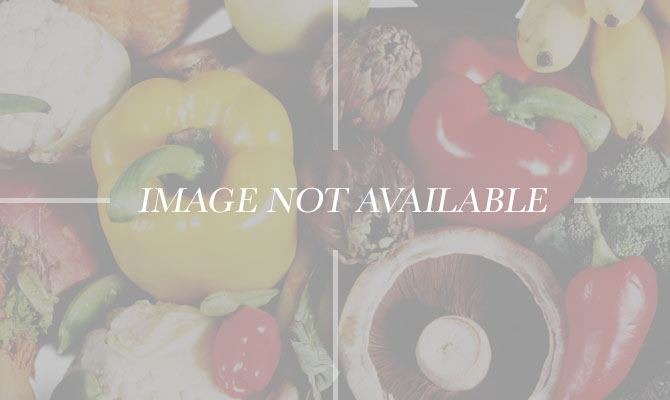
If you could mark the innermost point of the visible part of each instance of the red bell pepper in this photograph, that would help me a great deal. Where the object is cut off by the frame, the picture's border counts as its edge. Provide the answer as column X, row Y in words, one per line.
column 485, row 124
column 610, row 308
column 246, row 352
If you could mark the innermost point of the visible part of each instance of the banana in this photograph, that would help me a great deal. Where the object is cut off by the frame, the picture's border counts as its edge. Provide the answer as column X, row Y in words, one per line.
column 662, row 8
column 627, row 69
column 454, row 353
column 551, row 33
column 664, row 36
column 613, row 13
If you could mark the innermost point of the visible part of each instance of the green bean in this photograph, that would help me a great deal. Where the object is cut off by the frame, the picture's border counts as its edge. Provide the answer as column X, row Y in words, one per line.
column 90, row 305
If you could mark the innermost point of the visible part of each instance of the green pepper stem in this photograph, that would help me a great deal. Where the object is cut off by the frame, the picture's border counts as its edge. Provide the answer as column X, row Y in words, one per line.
column 127, row 195
column 603, row 255
column 524, row 104
column 15, row 103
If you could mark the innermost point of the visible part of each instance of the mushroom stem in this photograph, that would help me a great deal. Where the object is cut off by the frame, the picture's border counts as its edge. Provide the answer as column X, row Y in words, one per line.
column 454, row 353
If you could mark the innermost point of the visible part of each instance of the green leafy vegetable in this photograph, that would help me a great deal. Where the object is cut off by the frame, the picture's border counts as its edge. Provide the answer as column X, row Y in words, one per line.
column 39, row 297
column 313, row 358
column 28, row 307
column 20, row 318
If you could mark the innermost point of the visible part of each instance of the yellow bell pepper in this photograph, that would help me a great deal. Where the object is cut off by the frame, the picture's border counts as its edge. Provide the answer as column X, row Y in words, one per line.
column 183, row 257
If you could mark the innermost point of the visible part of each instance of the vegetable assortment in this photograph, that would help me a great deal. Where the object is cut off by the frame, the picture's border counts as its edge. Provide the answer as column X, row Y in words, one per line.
column 190, row 281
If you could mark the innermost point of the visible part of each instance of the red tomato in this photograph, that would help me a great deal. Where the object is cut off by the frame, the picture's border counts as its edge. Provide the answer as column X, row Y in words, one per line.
column 246, row 352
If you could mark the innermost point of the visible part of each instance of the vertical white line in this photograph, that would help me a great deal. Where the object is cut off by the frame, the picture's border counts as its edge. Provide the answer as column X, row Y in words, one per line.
column 336, row 321
column 336, row 75
column 336, row 146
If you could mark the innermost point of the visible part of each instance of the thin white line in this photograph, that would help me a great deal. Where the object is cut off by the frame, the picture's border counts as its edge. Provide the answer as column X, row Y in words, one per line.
column 336, row 146
column 54, row 200
column 622, row 200
column 336, row 75
column 392, row 4
column 336, row 321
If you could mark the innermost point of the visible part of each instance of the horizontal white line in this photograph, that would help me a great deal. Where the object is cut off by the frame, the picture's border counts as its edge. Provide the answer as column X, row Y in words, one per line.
column 54, row 200
column 622, row 200
column 106, row 200
column 392, row 4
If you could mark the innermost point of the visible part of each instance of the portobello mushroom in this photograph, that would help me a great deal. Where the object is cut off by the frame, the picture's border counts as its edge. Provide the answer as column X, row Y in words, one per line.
column 491, row 310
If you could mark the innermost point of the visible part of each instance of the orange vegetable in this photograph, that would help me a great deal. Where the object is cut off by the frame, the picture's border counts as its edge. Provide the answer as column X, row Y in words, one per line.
column 144, row 26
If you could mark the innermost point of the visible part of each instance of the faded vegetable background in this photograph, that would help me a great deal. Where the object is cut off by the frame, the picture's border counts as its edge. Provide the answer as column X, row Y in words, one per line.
column 101, row 98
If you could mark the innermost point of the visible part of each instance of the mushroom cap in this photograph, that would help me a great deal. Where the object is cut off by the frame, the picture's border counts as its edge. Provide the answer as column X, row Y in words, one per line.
column 393, row 300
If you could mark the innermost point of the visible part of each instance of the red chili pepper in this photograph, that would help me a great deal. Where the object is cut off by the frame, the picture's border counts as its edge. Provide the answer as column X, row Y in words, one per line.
column 610, row 308
column 246, row 352
column 484, row 125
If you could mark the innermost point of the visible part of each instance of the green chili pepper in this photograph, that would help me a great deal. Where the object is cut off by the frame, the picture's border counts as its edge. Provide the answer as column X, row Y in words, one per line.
column 16, row 103
column 90, row 305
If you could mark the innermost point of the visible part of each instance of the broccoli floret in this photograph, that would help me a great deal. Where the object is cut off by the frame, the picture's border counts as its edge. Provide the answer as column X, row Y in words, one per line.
column 566, row 240
column 578, row 228
column 658, row 388
column 566, row 231
column 639, row 169
column 659, row 256
column 630, row 229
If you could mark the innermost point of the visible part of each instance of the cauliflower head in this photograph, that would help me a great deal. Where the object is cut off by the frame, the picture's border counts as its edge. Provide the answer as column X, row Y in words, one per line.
column 64, row 59
column 153, row 352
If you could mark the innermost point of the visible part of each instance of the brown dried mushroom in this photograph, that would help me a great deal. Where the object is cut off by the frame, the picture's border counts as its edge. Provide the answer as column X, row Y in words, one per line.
column 376, row 65
column 362, row 163
column 460, row 313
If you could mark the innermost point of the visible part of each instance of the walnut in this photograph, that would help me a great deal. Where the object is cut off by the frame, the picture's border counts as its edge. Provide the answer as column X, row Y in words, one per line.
column 361, row 238
column 376, row 65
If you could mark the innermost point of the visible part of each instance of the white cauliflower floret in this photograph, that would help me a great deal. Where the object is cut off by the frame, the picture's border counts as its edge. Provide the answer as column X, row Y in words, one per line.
column 64, row 59
column 153, row 352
